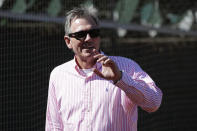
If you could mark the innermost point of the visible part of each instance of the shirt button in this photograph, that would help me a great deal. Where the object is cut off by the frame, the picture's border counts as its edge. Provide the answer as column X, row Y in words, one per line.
column 88, row 126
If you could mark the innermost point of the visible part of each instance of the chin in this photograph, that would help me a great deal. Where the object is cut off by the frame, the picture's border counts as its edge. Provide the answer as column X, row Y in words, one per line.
column 87, row 54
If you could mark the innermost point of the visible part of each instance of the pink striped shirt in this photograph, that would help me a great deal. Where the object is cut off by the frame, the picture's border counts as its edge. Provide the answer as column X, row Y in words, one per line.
column 77, row 102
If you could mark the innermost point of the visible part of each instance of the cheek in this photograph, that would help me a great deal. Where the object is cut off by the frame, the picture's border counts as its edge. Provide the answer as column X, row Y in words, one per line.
column 77, row 47
column 75, row 44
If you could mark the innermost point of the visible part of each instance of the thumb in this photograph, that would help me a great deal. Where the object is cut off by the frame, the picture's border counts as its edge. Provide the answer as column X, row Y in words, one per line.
column 96, row 71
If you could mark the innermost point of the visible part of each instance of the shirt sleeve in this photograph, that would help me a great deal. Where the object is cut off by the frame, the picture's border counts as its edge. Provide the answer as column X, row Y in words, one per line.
column 53, row 119
column 140, row 88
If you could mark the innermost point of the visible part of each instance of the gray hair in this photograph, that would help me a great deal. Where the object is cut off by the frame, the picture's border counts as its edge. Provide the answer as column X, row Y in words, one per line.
column 80, row 12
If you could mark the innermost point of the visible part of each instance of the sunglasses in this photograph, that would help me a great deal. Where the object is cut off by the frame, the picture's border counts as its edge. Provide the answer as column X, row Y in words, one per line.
column 81, row 35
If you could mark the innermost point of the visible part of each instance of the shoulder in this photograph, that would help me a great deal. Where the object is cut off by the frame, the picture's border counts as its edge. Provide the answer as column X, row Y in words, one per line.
column 65, row 67
column 122, row 60
column 125, row 63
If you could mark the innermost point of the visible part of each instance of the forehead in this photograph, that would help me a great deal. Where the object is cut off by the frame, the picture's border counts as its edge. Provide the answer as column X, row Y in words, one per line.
column 79, row 24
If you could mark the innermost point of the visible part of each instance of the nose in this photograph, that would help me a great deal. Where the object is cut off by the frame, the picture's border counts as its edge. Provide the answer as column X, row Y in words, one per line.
column 88, row 37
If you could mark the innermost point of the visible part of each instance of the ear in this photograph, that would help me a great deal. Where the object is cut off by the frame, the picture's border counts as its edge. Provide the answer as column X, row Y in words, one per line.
column 67, row 41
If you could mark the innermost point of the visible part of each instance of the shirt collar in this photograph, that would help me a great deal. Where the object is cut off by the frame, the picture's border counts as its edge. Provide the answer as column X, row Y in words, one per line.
column 81, row 72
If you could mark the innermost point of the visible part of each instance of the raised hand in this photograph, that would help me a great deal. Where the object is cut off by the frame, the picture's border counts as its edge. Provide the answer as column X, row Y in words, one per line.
column 110, row 70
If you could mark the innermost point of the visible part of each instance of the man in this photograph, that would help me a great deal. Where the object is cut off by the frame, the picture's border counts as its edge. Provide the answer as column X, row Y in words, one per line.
column 96, row 92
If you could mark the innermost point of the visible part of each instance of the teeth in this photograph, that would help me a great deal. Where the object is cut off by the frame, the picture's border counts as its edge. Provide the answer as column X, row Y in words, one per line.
column 89, row 47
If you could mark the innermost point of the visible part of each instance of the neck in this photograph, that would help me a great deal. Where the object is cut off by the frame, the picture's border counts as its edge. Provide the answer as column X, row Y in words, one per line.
column 85, row 64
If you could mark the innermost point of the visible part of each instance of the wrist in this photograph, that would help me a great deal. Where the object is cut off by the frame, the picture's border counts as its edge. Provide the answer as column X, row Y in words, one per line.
column 118, row 78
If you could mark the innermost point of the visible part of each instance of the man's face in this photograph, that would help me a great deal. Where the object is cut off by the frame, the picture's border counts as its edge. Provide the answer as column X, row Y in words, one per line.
column 83, row 48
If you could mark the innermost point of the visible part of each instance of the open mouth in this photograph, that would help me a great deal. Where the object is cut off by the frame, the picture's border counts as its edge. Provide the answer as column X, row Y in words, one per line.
column 88, row 47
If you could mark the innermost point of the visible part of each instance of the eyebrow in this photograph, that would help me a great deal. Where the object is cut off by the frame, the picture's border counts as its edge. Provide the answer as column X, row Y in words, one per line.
column 85, row 30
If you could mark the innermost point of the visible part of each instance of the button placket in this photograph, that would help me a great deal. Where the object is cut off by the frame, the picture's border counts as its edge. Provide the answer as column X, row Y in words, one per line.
column 88, row 103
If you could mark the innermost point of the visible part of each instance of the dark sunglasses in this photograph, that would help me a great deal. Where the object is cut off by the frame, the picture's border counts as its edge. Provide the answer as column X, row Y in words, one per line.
column 81, row 35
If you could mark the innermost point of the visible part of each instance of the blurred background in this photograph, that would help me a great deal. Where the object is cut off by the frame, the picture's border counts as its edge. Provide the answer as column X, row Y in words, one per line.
column 160, row 35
